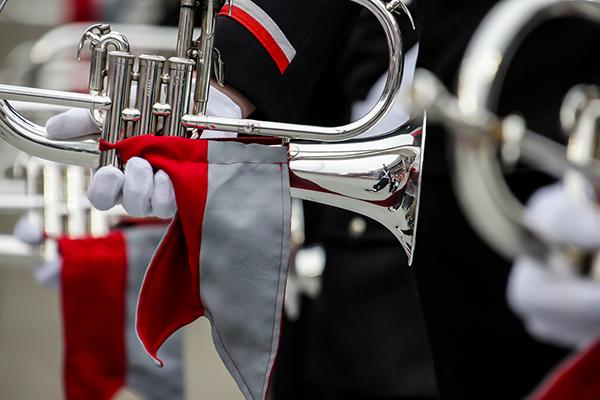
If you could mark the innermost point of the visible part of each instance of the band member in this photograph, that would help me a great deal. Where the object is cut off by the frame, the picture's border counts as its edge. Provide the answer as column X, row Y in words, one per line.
column 362, row 336
column 394, row 369
column 273, row 62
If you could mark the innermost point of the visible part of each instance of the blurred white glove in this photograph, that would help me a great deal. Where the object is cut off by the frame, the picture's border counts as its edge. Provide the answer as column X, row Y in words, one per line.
column 29, row 229
column 141, row 191
column 556, row 304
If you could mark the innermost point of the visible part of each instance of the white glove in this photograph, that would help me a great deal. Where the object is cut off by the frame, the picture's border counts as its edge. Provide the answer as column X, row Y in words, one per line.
column 29, row 229
column 556, row 304
column 141, row 191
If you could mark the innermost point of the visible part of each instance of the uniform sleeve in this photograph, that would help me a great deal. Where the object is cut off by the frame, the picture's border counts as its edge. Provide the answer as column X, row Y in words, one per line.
column 275, row 50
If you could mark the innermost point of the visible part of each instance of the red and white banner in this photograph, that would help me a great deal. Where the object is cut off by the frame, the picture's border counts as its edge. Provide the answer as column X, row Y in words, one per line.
column 100, row 279
column 225, row 255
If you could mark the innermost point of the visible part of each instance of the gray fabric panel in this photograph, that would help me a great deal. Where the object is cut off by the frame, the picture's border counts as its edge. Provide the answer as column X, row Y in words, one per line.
column 227, row 152
column 244, row 259
column 142, row 375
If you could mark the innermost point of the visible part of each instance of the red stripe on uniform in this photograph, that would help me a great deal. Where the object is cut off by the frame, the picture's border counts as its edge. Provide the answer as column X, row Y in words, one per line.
column 261, row 34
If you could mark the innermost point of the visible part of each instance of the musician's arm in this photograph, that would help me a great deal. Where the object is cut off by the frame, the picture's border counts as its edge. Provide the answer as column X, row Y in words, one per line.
column 274, row 51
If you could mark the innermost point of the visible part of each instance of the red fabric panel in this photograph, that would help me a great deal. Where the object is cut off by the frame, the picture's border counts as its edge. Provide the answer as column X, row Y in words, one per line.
column 261, row 34
column 170, row 295
column 83, row 10
column 578, row 378
column 93, row 284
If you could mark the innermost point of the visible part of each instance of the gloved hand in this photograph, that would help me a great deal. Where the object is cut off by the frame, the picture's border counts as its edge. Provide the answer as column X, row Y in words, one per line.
column 558, row 305
column 141, row 191
column 29, row 229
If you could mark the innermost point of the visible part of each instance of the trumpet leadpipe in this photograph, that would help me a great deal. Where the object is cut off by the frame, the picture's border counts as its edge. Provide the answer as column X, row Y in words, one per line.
column 178, row 94
column 54, row 97
column 120, row 72
column 148, row 90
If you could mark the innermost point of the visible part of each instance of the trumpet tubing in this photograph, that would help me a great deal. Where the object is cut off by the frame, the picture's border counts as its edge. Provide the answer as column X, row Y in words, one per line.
column 109, row 52
column 378, row 178
column 55, row 202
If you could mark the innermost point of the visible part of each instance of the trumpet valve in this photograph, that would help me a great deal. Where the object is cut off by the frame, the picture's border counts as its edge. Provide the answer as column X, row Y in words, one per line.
column 131, row 117
column 161, row 112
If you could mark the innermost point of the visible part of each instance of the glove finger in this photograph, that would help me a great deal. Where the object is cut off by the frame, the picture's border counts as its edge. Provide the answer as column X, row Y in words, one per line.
column 71, row 124
column 535, row 289
column 523, row 291
column 555, row 215
column 48, row 275
column 105, row 188
column 138, row 187
column 29, row 229
column 566, row 303
column 563, row 333
column 163, row 196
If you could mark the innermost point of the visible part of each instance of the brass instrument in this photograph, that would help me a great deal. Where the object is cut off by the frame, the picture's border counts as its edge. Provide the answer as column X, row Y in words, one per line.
column 58, row 203
column 479, row 135
column 378, row 178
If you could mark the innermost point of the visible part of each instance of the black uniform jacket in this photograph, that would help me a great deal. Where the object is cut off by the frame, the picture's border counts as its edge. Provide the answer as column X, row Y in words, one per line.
column 480, row 348
column 363, row 337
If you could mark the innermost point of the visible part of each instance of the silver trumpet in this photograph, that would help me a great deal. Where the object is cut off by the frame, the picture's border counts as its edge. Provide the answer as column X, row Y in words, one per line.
column 55, row 199
column 480, row 136
column 378, row 178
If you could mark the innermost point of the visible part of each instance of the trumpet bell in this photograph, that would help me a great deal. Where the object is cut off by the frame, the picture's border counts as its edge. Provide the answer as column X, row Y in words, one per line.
column 378, row 177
